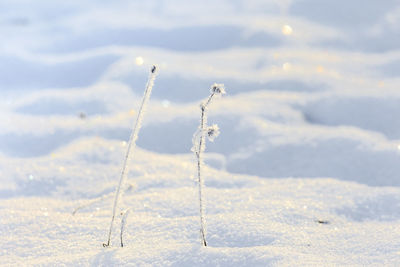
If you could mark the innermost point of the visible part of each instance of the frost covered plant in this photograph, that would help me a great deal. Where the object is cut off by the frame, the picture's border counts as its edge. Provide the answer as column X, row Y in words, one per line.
column 124, row 215
column 212, row 132
column 199, row 145
column 131, row 146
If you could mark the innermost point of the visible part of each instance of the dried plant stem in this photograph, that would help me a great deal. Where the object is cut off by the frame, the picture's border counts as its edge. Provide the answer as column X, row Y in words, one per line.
column 91, row 202
column 198, row 152
column 131, row 145
column 123, row 223
column 98, row 199
column 200, row 182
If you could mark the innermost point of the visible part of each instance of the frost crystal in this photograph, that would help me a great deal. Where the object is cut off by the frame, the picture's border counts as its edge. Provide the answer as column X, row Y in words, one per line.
column 218, row 89
column 212, row 132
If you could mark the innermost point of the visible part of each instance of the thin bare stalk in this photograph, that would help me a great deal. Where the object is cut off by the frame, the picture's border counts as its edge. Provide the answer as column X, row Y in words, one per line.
column 200, row 181
column 131, row 145
column 199, row 140
column 91, row 202
column 123, row 224
column 98, row 199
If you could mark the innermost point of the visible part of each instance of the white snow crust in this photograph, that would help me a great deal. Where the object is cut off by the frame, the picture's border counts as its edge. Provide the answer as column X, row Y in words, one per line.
column 305, row 171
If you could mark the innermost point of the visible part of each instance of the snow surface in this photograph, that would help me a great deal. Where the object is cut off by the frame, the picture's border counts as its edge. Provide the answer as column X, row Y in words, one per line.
column 305, row 172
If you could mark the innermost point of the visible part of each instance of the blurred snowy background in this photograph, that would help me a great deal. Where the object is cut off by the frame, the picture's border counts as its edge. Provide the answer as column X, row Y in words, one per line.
column 309, row 128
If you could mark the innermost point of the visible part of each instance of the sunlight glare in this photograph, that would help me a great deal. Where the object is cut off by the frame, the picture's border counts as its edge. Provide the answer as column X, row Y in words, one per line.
column 287, row 30
column 139, row 61
column 320, row 69
column 286, row 66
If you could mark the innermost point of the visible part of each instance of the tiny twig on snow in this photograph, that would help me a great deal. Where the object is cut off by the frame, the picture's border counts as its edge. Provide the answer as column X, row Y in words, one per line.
column 123, row 223
column 98, row 199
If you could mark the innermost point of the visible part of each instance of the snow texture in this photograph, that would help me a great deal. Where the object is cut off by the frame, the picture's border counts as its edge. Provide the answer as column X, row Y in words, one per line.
column 305, row 171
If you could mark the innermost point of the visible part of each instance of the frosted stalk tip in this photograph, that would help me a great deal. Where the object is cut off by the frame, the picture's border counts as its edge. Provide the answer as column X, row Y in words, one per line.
column 218, row 89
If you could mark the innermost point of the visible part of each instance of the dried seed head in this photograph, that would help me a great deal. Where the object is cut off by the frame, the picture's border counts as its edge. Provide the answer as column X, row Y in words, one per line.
column 212, row 132
column 218, row 89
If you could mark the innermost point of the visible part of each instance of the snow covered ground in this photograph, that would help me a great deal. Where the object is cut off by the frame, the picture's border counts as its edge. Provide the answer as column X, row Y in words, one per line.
column 306, row 170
